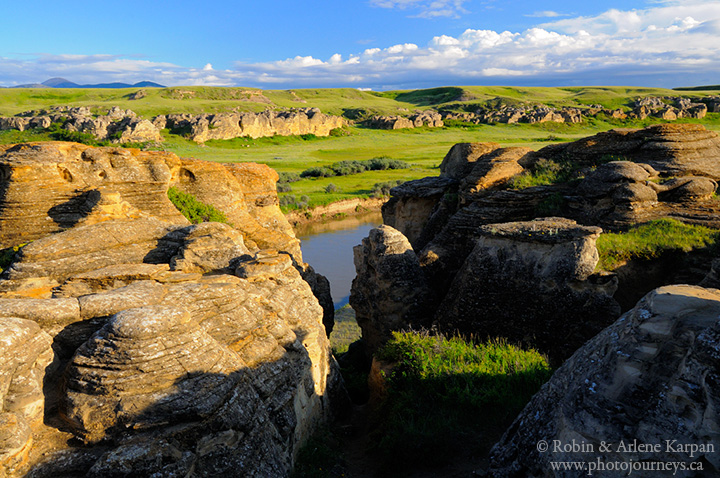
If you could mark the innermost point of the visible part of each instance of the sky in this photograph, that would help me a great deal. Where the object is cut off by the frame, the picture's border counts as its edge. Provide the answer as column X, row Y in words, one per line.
column 366, row 44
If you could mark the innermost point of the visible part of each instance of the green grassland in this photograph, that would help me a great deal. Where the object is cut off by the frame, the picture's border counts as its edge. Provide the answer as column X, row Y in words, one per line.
column 422, row 148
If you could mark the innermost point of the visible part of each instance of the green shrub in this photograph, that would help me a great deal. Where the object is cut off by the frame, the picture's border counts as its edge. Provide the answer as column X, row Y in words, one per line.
column 194, row 210
column 445, row 391
column 7, row 255
column 283, row 187
column 383, row 189
column 544, row 172
column 288, row 177
column 288, row 200
column 318, row 172
column 331, row 188
column 346, row 168
column 383, row 163
column 650, row 240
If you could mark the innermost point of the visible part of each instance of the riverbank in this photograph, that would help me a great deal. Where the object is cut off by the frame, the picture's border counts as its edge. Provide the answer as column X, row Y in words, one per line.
column 334, row 211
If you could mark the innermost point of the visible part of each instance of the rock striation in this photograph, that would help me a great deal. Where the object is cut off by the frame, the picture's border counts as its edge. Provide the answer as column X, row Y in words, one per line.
column 487, row 249
column 647, row 379
column 165, row 348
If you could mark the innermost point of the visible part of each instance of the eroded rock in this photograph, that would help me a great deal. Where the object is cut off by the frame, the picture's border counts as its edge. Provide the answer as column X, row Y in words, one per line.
column 528, row 282
column 649, row 378
column 389, row 292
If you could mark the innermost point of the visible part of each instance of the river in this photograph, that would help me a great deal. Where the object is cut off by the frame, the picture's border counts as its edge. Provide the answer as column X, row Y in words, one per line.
column 328, row 248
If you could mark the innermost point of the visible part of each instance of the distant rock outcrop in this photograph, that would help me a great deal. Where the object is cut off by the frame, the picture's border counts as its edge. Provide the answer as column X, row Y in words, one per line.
column 431, row 119
column 205, row 127
column 668, row 108
column 123, row 126
column 648, row 380
column 164, row 347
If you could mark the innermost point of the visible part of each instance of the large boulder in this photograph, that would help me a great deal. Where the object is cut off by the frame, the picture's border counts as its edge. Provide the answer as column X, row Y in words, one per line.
column 529, row 282
column 178, row 347
column 389, row 292
column 671, row 149
column 642, row 393
column 159, row 354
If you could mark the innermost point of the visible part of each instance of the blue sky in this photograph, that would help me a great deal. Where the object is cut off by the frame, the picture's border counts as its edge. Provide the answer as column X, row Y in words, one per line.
column 376, row 44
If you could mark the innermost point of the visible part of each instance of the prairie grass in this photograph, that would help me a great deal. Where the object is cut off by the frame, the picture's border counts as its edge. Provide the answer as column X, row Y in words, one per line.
column 345, row 331
column 650, row 240
column 444, row 391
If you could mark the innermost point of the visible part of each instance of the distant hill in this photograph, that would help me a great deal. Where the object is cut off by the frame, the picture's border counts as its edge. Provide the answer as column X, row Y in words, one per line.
column 698, row 88
column 63, row 83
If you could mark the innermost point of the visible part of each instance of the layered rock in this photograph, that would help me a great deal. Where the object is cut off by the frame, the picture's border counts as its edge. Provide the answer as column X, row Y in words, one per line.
column 184, row 356
column 665, row 171
column 671, row 149
column 527, row 282
column 25, row 355
column 389, row 292
column 648, row 379
column 124, row 126
column 49, row 187
column 181, row 347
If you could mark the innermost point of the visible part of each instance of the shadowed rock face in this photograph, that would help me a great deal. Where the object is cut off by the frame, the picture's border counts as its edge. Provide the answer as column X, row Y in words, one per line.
column 176, row 347
column 528, row 282
column 650, row 377
column 389, row 292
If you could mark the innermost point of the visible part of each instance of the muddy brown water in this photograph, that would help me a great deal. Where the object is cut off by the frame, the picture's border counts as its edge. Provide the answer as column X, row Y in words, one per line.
column 328, row 247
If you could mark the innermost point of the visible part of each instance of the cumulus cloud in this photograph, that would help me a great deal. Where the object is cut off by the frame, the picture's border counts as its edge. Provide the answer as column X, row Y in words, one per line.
column 425, row 8
column 670, row 44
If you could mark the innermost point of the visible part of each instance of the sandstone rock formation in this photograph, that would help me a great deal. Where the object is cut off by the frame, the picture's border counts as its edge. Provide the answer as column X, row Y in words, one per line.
column 167, row 348
column 429, row 118
column 640, row 109
column 205, row 127
column 490, row 283
column 527, row 282
column 389, row 292
column 124, row 126
column 648, row 379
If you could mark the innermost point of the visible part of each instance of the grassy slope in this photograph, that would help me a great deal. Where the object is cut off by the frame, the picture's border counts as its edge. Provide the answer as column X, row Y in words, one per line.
column 424, row 148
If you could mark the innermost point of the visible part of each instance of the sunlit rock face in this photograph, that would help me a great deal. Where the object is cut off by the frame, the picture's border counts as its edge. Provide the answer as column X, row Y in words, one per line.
column 165, row 348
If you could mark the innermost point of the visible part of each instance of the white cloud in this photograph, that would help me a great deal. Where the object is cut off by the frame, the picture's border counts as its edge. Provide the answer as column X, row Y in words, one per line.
column 425, row 8
column 667, row 45
column 547, row 14
column 208, row 67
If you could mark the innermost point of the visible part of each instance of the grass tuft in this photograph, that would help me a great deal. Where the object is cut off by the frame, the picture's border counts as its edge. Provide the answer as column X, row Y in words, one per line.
column 544, row 172
column 652, row 239
column 444, row 392
column 195, row 211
